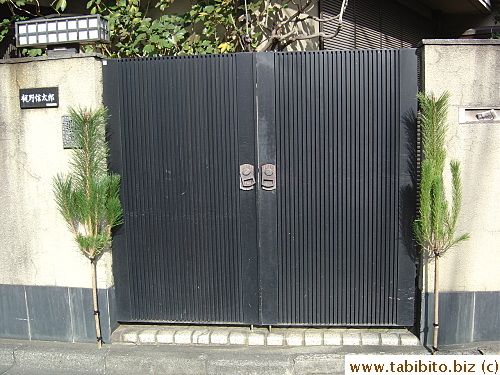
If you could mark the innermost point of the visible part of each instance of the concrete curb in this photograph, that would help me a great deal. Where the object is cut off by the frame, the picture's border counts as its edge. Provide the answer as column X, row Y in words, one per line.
column 40, row 357
column 51, row 358
column 7, row 353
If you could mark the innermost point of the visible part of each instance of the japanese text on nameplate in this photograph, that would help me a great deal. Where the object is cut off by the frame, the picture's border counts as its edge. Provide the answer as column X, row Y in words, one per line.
column 39, row 97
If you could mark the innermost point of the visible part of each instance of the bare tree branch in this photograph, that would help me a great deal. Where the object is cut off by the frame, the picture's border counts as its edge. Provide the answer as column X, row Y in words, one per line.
column 315, row 35
column 321, row 20
column 283, row 28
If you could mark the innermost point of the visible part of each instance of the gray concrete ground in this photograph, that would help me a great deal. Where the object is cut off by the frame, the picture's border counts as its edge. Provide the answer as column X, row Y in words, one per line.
column 44, row 358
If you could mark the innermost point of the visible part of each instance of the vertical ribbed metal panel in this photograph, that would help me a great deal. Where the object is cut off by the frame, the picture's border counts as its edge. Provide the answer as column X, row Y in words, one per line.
column 179, row 130
column 338, row 144
column 327, row 247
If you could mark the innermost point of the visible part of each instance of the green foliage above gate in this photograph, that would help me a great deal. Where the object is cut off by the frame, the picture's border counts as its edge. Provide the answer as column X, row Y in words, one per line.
column 158, row 28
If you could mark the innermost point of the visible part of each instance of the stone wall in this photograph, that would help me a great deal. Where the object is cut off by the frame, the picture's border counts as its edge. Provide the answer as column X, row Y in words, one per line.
column 40, row 263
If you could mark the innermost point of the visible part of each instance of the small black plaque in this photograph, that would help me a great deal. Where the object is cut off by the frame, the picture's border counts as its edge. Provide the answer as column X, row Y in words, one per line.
column 39, row 98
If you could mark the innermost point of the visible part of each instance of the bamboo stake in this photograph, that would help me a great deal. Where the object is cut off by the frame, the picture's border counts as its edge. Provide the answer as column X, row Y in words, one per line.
column 436, row 305
column 95, row 301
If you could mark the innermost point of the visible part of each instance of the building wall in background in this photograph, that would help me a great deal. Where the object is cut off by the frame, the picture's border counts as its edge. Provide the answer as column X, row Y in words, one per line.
column 375, row 24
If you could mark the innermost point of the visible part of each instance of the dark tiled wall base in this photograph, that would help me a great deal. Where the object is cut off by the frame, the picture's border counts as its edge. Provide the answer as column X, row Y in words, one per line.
column 13, row 313
column 53, row 313
column 463, row 317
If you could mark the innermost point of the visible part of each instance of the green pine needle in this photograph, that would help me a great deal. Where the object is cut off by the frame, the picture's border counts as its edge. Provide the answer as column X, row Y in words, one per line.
column 435, row 228
column 88, row 198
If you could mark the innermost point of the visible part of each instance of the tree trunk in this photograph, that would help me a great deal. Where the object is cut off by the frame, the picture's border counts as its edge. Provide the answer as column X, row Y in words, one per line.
column 436, row 304
column 97, row 317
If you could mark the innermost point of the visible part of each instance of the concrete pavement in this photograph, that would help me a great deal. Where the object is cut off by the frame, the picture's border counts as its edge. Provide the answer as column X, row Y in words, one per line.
column 37, row 357
column 44, row 358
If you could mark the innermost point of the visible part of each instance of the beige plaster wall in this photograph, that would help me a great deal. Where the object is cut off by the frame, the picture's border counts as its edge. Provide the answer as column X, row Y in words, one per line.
column 469, row 70
column 36, row 246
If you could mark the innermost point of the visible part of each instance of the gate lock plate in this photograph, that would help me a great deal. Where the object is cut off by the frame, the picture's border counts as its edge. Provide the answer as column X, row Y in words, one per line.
column 269, row 177
column 247, row 177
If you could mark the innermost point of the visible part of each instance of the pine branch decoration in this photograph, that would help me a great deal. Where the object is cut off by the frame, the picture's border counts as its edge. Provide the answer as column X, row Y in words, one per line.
column 88, row 197
column 435, row 228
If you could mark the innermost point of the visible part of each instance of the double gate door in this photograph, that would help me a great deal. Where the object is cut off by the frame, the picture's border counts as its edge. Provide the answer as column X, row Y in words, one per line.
column 271, row 188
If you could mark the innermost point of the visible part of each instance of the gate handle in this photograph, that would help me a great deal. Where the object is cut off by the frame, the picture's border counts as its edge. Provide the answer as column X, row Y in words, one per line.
column 269, row 177
column 247, row 177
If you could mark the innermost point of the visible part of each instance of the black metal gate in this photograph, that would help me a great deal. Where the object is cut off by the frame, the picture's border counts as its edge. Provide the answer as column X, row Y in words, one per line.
column 271, row 188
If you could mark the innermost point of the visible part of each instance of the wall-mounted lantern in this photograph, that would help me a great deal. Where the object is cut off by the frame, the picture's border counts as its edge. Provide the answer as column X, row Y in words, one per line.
column 60, row 31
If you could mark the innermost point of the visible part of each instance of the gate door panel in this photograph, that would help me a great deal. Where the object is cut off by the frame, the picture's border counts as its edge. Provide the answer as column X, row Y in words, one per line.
column 272, row 188
column 342, row 160
column 189, row 239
